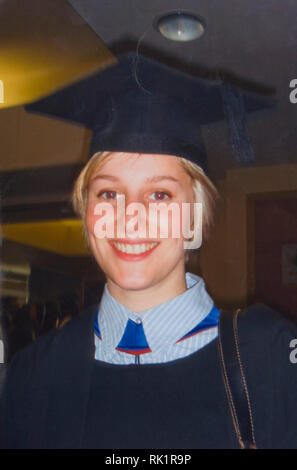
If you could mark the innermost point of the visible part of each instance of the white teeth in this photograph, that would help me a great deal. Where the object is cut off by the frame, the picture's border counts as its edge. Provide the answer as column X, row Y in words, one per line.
column 129, row 249
column 134, row 249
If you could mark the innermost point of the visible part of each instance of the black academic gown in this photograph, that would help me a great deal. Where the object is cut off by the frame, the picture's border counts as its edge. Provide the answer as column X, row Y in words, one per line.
column 56, row 395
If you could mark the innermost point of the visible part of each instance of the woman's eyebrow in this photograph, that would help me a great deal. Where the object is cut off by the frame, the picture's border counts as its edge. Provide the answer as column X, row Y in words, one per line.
column 105, row 177
column 157, row 179
column 152, row 179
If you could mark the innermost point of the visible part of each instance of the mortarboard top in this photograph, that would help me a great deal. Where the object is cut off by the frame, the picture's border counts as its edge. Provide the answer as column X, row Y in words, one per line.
column 143, row 106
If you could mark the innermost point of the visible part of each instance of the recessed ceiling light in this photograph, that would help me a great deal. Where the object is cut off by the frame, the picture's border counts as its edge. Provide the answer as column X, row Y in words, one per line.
column 180, row 26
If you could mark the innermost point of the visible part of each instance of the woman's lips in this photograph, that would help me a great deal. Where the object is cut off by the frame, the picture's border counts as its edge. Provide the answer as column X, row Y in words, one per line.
column 133, row 256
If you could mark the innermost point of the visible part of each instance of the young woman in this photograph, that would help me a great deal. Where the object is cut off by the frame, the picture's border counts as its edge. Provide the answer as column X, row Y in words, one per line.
column 143, row 368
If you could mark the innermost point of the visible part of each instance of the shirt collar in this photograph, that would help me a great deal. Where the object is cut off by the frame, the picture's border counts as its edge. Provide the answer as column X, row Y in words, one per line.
column 164, row 324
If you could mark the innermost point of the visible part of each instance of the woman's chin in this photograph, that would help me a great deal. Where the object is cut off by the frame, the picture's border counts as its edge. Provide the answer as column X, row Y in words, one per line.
column 133, row 281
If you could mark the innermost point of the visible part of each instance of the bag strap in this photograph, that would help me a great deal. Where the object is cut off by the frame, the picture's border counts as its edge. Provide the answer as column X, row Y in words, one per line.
column 234, row 380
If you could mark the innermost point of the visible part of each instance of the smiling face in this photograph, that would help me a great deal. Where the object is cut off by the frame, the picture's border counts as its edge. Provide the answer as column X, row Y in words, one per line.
column 143, row 262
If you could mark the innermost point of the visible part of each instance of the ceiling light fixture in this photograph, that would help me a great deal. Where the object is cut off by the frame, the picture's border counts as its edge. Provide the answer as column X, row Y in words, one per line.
column 180, row 26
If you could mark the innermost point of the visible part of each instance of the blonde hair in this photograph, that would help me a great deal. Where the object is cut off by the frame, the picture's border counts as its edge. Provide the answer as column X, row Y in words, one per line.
column 204, row 190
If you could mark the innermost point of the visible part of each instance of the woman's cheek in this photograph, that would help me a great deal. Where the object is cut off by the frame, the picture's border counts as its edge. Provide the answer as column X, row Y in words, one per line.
column 170, row 225
column 91, row 219
column 100, row 220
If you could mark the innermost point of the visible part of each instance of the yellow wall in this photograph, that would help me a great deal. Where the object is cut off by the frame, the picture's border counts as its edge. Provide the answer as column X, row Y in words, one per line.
column 44, row 46
column 28, row 140
column 64, row 237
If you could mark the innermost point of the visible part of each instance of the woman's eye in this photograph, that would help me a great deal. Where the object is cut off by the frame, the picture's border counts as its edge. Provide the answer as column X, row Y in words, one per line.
column 159, row 195
column 108, row 194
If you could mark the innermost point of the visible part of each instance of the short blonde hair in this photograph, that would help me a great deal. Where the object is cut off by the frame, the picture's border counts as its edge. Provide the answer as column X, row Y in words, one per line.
column 204, row 190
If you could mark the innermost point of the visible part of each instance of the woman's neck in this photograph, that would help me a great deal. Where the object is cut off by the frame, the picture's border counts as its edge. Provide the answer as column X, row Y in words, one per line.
column 144, row 299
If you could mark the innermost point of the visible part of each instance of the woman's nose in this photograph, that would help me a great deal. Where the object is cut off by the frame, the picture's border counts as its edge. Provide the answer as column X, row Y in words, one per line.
column 130, row 216
column 136, row 217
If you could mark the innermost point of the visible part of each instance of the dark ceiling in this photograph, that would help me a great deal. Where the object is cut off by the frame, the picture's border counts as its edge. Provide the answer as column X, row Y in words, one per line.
column 254, row 40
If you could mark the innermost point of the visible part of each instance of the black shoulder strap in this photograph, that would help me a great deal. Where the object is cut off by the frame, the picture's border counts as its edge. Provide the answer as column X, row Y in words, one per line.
column 234, row 380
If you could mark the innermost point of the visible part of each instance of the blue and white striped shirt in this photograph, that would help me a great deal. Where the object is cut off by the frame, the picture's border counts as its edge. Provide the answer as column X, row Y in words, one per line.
column 163, row 326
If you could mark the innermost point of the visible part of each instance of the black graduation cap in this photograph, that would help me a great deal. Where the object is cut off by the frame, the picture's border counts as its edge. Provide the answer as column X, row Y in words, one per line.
column 143, row 106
